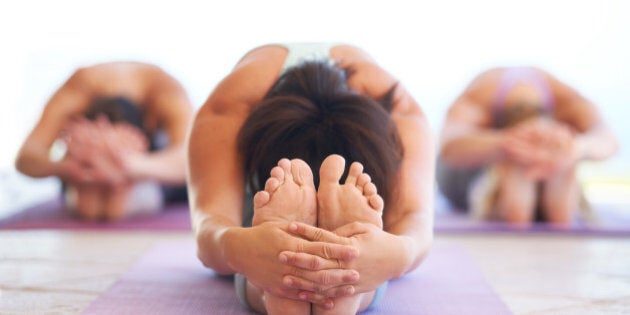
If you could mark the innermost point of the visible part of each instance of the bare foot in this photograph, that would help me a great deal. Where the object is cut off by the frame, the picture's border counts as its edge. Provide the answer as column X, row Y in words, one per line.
column 289, row 194
column 339, row 204
column 355, row 201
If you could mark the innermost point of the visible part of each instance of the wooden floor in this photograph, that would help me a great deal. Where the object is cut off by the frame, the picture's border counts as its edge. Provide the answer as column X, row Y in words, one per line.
column 63, row 272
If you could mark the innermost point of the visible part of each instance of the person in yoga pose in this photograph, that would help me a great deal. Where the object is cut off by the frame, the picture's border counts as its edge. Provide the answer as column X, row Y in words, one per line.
column 309, row 165
column 511, row 144
column 114, row 134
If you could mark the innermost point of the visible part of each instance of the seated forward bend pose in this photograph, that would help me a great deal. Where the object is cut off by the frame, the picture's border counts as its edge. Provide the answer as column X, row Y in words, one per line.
column 287, row 123
column 122, row 128
column 511, row 143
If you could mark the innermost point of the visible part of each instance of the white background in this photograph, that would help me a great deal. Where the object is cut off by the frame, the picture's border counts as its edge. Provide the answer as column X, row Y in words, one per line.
column 434, row 47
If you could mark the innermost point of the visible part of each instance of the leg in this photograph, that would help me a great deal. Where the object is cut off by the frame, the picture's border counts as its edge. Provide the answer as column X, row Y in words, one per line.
column 561, row 197
column 129, row 199
column 289, row 195
column 88, row 201
column 516, row 195
column 355, row 200
column 116, row 201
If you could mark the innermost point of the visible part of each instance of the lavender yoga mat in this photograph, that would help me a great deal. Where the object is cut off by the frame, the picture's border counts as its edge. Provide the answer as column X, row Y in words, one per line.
column 606, row 220
column 53, row 215
column 169, row 279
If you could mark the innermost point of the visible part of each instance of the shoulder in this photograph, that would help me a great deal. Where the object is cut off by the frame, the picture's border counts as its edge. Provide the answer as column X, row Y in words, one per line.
column 249, row 81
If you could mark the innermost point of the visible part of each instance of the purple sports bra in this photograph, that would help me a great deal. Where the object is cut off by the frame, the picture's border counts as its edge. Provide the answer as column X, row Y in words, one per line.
column 520, row 75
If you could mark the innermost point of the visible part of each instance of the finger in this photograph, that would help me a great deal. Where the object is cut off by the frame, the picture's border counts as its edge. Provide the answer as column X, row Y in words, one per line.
column 322, row 243
column 319, row 281
column 308, row 261
column 325, row 296
column 351, row 229
column 328, row 250
column 316, row 234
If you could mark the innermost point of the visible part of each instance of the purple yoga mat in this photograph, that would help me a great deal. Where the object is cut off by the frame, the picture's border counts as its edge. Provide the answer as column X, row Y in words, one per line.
column 607, row 220
column 53, row 215
column 169, row 279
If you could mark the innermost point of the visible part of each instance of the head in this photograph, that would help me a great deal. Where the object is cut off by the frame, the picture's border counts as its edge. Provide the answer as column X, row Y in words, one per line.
column 310, row 113
column 116, row 109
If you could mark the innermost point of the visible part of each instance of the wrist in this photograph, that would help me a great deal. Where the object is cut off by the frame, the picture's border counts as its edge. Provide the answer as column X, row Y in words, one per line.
column 214, row 247
column 228, row 240
column 136, row 166
column 407, row 251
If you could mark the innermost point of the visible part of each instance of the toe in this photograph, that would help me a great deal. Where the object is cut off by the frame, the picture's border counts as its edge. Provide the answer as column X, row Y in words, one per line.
column 285, row 164
column 356, row 169
column 302, row 173
column 260, row 199
column 332, row 169
column 363, row 180
column 278, row 173
column 376, row 202
column 369, row 189
column 271, row 185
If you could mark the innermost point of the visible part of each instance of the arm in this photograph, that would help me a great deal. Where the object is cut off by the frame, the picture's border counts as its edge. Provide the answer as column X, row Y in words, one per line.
column 409, row 217
column 593, row 140
column 170, row 102
column 67, row 102
column 467, row 139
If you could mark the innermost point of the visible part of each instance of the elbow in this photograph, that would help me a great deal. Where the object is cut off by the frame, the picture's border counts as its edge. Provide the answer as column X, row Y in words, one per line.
column 23, row 166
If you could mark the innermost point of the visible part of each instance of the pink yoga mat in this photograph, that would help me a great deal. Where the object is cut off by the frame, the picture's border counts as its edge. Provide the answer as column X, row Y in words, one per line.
column 53, row 215
column 607, row 220
column 170, row 280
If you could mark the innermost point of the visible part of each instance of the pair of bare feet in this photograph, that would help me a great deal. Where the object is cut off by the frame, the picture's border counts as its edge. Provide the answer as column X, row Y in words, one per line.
column 290, row 195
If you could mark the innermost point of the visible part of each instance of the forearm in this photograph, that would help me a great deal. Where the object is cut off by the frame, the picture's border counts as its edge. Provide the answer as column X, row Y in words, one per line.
column 414, row 237
column 166, row 166
column 211, row 233
column 472, row 150
column 36, row 163
column 595, row 145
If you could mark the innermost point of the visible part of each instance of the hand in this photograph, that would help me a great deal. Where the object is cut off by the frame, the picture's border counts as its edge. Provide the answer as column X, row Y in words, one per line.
column 381, row 257
column 258, row 252
column 541, row 146
column 105, row 150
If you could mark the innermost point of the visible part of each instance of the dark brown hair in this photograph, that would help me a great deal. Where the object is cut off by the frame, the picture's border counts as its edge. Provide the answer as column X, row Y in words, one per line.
column 310, row 113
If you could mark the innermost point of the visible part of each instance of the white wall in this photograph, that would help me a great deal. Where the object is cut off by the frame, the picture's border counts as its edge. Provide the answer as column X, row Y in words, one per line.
column 433, row 47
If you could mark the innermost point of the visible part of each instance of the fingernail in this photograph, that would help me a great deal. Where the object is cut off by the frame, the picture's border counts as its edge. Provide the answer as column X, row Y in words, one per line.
column 302, row 296
column 293, row 227
column 288, row 281
column 354, row 276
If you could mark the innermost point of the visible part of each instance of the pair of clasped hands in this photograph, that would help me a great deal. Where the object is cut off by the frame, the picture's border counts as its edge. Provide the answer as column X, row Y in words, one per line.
column 542, row 146
column 99, row 152
column 314, row 264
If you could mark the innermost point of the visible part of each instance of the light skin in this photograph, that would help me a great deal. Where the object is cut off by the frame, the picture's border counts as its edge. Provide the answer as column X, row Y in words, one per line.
column 104, row 160
column 287, row 252
column 538, row 151
column 290, row 195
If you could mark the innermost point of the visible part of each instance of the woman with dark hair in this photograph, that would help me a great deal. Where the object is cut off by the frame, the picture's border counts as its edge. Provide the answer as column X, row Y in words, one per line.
column 320, row 235
column 114, row 134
